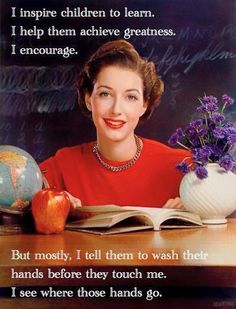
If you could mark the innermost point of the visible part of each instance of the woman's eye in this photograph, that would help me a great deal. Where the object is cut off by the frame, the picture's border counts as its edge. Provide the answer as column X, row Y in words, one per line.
column 132, row 97
column 104, row 94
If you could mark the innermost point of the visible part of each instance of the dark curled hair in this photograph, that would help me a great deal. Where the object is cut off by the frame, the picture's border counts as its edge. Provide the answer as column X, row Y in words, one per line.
column 123, row 54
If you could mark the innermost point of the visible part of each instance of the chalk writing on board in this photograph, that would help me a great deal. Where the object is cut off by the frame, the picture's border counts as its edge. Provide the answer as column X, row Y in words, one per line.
column 37, row 89
column 172, row 56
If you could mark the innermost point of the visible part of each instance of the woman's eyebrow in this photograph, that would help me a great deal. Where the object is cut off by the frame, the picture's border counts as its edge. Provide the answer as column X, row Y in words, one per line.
column 133, row 89
column 104, row 86
column 127, row 90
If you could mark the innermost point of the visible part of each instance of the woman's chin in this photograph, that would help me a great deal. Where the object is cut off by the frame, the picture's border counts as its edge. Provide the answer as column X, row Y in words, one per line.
column 115, row 136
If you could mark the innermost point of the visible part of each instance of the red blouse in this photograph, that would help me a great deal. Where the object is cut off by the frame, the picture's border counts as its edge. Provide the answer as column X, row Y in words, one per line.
column 151, row 181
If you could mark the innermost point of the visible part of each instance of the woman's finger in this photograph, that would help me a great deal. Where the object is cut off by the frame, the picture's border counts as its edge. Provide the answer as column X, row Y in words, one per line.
column 174, row 203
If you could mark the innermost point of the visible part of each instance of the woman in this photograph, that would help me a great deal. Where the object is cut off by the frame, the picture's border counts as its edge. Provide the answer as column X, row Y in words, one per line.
column 118, row 89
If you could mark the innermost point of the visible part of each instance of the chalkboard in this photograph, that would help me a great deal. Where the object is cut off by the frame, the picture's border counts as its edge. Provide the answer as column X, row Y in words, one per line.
column 38, row 94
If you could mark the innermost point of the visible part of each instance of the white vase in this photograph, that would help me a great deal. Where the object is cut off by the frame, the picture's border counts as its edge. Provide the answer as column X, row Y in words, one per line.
column 213, row 198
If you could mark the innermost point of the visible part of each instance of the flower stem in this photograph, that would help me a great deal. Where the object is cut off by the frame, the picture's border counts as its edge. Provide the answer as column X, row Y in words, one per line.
column 182, row 145
column 223, row 108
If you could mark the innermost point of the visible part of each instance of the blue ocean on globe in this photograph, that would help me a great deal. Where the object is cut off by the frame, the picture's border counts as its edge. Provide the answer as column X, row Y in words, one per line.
column 20, row 177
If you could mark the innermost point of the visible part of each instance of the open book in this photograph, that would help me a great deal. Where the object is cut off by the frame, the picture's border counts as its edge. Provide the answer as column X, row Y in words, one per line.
column 112, row 219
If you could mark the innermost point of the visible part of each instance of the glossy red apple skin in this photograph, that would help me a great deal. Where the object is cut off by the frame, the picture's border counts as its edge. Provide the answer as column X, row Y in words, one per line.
column 50, row 210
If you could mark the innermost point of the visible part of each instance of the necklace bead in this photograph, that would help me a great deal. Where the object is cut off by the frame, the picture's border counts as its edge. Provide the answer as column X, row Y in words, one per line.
column 123, row 167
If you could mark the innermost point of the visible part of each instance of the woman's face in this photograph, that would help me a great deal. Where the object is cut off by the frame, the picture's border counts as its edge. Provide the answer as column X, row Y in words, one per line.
column 116, row 103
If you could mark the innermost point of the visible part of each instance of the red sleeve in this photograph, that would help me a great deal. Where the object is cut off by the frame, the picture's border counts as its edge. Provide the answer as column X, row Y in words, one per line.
column 51, row 171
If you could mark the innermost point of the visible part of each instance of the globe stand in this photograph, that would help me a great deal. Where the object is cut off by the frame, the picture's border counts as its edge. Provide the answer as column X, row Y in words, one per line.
column 15, row 221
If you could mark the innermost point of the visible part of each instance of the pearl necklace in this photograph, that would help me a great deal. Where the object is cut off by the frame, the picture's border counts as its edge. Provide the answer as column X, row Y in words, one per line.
column 123, row 167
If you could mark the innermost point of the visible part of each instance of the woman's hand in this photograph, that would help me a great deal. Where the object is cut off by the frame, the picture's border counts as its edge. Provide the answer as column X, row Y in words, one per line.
column 74, row 201
column 75, row 205
column 174, row 203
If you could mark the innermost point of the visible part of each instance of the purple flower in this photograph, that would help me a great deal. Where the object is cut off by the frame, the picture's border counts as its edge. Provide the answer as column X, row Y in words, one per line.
column 210, row 103
column 216, row 151
column 217, row 117
column 173, row 140
column 210, row 137
column 179, row 132
column 190, row 132
column 202, row 132
column 219, row 132
column 183, row 167
column 209, row 99
column 231, row 139
column 175, row 137
column 234, row 168
column 227, row 100
column 211, row 124
column 201, row 154
column 195, row 142
column 226, row 162
column 201, row 172
column 211, row 107
column 230, row 128
column 196, row 123
column 205, row 152
column 201, row 109
column 230, row 134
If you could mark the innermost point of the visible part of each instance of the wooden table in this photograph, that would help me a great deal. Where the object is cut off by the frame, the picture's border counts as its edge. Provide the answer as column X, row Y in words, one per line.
column 189, row 262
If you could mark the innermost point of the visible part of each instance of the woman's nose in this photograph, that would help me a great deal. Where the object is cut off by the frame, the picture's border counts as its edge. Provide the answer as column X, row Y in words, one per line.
column 116, row 107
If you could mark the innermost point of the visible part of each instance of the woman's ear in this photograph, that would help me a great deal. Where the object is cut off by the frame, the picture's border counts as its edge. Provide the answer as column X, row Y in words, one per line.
column 88, row 102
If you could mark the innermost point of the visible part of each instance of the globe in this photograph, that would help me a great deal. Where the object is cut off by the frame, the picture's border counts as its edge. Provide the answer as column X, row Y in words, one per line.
column 20, row 177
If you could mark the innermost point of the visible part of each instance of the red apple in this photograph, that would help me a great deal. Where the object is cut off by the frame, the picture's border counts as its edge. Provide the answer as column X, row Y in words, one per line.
column 50, row 209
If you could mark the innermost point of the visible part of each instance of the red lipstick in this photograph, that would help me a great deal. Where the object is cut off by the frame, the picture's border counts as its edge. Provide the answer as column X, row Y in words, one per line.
column 114, row 123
